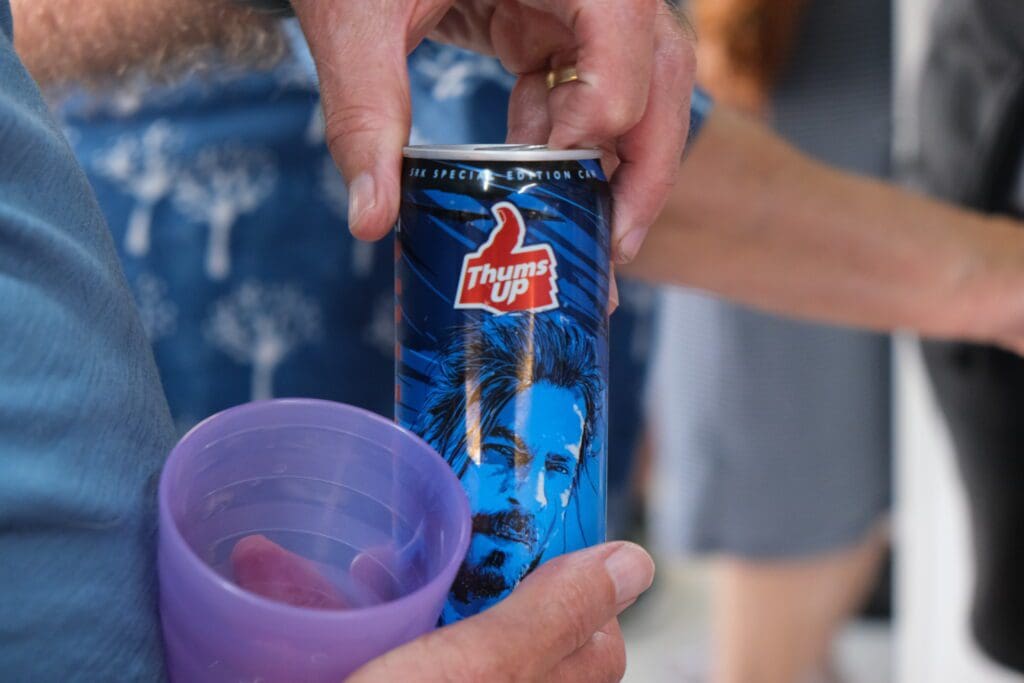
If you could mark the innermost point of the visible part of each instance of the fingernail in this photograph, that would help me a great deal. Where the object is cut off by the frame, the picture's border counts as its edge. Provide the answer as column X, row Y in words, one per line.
column 361, row 199
column 631, row 570
column 630, row 244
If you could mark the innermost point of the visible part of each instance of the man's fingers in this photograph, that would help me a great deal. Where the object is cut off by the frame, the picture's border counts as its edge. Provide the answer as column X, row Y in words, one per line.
column 602, row 659
column 528, row 120
column 526, row 38
column 609, row 97
column 651, row 152
column 360, row 52
column 557, row 609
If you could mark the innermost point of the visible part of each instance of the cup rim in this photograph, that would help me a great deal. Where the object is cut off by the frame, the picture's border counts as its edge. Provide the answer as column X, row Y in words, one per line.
column 171, row 535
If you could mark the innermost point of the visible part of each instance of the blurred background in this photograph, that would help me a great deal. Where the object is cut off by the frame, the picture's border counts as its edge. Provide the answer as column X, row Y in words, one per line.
column 914, row 627
column 794, row 481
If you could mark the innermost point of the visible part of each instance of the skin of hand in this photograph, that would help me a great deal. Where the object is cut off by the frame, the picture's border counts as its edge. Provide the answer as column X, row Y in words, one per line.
column 558, row 625
column 755, row 221
column 635, row 61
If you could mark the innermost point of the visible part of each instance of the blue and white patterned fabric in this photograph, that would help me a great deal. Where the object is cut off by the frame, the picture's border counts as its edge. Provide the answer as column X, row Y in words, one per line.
column 700, row 109
column 230, row 219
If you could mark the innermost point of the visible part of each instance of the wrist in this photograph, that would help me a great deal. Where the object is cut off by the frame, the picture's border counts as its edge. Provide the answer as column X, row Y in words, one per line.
column 990, row 295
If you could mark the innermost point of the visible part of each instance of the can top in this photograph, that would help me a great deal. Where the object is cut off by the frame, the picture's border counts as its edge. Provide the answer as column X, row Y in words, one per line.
column 498, row 153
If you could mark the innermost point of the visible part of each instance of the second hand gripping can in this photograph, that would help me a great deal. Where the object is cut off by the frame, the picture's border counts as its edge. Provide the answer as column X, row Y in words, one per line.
column 501, row 282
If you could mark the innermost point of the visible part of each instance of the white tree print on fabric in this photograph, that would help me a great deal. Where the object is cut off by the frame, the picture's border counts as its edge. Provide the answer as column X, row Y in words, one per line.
column 127, row 99
column 260, row 325
column 142, row 166
column 380, row 332
column 225, row 182
column 454, row 71
column 295, row 73
column 159, row 314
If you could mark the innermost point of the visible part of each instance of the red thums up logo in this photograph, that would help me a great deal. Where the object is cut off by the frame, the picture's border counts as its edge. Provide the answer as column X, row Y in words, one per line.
column 503, row 276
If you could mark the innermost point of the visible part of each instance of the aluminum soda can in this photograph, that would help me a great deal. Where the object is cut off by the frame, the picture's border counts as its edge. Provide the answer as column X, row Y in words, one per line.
column 502, row 273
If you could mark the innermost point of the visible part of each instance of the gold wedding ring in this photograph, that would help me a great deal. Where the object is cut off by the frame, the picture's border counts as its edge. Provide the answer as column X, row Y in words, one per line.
column 566, row 74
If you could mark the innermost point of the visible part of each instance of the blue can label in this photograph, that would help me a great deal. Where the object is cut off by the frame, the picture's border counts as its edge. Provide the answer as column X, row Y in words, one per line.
column 502, row 289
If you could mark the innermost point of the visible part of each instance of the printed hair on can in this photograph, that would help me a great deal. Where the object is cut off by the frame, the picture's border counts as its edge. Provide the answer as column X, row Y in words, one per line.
column 515, row 408
column 503, row 275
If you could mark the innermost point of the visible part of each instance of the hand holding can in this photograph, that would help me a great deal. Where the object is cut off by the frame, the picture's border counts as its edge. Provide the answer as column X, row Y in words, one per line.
column 605, row 73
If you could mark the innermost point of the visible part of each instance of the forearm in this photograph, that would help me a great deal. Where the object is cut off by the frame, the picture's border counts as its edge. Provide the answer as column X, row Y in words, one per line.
column 755, row 221
column 73, row 40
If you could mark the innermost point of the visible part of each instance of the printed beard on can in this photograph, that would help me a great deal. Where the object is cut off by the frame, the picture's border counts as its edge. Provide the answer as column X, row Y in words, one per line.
column 502, row 266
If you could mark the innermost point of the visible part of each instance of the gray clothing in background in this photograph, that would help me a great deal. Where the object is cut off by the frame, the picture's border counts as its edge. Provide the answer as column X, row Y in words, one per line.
column 774, row 435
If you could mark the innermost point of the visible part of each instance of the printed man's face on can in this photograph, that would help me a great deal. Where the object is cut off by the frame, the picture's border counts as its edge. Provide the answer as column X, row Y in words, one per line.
column 522, row 485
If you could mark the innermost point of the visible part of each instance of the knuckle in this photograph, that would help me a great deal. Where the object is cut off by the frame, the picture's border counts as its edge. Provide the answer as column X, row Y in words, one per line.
column 351, row 117
column 600, row 117
column 618, row 115
column 609, row 653
column 616, row 658
column 354, row 118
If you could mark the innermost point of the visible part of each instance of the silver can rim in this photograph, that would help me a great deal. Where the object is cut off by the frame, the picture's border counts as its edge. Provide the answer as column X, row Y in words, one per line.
column 498, row 153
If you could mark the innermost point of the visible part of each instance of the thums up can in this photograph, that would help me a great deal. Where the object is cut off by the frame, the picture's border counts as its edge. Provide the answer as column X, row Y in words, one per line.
column 502, row 358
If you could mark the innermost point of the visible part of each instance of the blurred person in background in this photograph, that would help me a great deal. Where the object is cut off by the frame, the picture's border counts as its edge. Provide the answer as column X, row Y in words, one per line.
column 774, row 434
column 971, row 152
column 811, row 242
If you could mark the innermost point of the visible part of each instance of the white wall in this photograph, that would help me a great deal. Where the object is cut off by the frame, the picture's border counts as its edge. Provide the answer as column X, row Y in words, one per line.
column 933, row 644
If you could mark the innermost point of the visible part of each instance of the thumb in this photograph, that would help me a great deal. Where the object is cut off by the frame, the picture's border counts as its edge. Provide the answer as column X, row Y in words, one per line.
column 558, row 608
column 554, row 613
column 359, row 50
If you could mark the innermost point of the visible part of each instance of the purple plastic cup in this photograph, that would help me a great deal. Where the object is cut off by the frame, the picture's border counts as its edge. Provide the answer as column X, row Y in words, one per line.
column 379, row 513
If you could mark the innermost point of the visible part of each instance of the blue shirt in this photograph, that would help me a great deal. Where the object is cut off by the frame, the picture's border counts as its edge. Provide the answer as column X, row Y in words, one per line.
column 83, row 422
